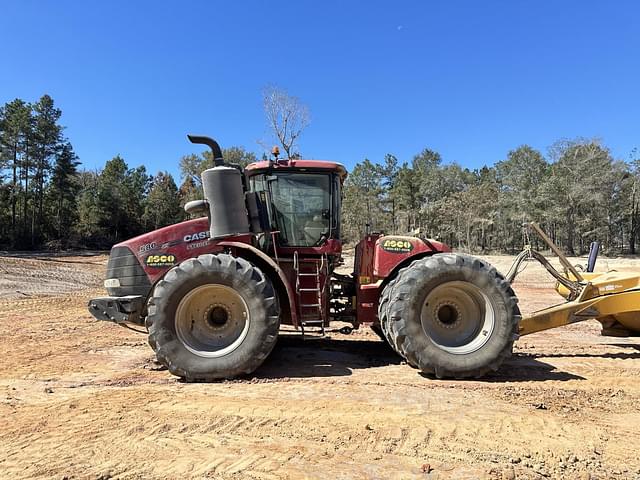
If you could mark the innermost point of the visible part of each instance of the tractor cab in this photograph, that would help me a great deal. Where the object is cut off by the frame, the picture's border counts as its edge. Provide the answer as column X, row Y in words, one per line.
column 302, row 201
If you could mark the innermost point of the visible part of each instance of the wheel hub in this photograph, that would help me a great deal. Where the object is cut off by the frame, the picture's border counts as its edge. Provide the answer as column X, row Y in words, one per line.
column 458, row 317
column 212, row 320
column 448, row 315
column 217, row 316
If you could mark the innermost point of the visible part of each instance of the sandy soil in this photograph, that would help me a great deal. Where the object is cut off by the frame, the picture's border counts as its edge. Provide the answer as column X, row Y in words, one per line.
column 84, row 399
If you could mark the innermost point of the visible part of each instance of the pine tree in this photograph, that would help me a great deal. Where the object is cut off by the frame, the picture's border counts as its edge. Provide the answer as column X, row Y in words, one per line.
column 135, row 189
column 162, row 206
column 87, row 227
column 16, row 132
column 363, row 194
column 64, row 188
column 110, row 200
column 47, row 143
column 189, row 191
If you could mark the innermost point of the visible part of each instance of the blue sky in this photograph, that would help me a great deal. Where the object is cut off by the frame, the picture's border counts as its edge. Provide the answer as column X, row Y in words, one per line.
column 470, row 79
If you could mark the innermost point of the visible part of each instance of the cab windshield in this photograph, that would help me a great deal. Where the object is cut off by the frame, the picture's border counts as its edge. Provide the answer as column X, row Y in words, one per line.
column 300, row 206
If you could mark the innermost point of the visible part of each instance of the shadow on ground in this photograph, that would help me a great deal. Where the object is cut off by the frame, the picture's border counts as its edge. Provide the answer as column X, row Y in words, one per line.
column 294, row 357
column 615, row 355
column 522, row 367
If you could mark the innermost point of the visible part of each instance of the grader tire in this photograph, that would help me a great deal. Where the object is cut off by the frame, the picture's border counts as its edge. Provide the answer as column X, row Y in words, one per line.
column 451, row 315
column 213, row 317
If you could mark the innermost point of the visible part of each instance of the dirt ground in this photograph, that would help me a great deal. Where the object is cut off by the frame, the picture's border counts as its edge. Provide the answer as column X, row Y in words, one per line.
column 83, row 399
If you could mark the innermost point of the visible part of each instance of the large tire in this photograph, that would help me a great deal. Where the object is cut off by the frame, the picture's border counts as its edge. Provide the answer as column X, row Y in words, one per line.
column 213, row 317
column 451, row 315
column 377, row 329
column 383, row 309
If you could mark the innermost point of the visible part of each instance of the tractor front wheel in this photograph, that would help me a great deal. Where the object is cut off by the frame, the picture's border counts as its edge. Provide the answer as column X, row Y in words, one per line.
column 450, row 315
column 211, row 317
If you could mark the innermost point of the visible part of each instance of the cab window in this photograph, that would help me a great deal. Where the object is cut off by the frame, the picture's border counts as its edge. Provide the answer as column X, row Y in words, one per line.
column 300, row 206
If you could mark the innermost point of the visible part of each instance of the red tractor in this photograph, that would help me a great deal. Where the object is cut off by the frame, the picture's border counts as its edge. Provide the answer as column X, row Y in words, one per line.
column 213, row 292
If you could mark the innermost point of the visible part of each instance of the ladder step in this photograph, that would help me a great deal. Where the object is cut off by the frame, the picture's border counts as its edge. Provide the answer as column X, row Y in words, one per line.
column 308, row 275
column 308, row 289
column 313, row 322
column 305, row 305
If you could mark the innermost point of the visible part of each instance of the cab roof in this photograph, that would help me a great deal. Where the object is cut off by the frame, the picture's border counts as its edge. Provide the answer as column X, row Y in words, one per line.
column 300, row 165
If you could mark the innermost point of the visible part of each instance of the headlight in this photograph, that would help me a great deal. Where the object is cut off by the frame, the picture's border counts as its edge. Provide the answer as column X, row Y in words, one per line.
column 111, row 283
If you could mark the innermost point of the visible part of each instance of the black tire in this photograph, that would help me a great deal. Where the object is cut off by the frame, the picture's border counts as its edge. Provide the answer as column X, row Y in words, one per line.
column 383, row 309
column 213, row 317
column 377, row 329
column 451, row 315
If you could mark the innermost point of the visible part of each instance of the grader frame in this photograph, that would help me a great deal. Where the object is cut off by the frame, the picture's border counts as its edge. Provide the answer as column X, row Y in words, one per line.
column 610, row 298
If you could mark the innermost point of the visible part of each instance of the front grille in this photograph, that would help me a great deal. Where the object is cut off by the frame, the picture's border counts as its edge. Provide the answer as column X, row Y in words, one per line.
column 124, row 266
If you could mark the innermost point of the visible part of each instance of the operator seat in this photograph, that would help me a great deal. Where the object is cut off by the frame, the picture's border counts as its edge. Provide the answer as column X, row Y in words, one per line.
column 314, row 229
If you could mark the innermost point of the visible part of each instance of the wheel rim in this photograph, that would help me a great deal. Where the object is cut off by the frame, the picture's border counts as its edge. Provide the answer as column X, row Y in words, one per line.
column 212, row 320
column 458, row 317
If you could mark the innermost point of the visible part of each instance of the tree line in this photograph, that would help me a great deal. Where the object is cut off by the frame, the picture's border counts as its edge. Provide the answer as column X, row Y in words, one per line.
column 577, row 191
column 47, row 200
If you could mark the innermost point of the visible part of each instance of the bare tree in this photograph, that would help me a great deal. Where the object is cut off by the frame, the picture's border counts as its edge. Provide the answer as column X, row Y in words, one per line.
column 287, row 116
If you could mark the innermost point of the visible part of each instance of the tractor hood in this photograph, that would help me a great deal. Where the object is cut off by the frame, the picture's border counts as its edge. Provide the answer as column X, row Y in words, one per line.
column 145, row 258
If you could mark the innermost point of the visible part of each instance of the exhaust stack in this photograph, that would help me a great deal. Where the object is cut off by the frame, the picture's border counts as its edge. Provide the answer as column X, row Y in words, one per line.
column 224, row 194
column 218, row 161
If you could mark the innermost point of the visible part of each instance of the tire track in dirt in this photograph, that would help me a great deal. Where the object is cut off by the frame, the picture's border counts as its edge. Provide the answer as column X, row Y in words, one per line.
column 46, row 275
column 345, row 430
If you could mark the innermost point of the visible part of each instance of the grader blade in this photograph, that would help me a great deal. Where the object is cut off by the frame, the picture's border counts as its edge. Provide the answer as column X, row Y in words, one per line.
column 623, row 307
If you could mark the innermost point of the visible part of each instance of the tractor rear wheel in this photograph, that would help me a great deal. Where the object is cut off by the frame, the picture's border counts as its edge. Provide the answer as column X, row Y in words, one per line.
column 211, row 317
column 451, row 315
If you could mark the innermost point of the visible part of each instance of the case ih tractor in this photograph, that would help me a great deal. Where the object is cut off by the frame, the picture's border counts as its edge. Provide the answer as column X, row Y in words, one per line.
column 213, row 292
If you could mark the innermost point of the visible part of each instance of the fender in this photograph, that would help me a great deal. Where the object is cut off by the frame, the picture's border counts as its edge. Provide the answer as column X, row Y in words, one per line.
column 393, row 250
column 265, row 259
column 378, row 259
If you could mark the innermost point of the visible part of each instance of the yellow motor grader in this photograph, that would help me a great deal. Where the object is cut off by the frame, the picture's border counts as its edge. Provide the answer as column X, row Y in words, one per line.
column 612, row 298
